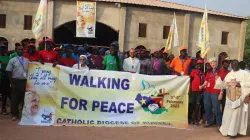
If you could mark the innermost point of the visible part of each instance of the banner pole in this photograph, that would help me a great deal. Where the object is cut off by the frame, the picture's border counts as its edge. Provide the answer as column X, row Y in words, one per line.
column 46, row 18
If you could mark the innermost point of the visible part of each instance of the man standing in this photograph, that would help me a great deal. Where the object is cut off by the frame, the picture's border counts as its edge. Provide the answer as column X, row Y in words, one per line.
column 131, row 64
column 180, row 64
column 17, row 68
column 4, row 83
column 68, row 61
column 223, row 73
column 157, row 65
column 235, row 116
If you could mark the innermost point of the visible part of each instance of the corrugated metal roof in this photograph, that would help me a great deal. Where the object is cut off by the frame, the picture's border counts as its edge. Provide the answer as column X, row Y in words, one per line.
column 163, row 4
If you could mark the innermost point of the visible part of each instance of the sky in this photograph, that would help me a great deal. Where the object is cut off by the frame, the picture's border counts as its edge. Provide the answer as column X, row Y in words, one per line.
column 236, row 7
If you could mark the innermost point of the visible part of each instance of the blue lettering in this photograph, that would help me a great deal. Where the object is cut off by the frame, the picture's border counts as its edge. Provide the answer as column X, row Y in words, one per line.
column 59, row 120
column 74, row 79
column 113, row 107
column 85, row 81
column 64, row 121
column 71, row 106
column 79, row 122
column 115, row 83
column 130, row 107
column 101, row 82
column 119, row 108
column 63, row 102
column 104, row 106
column 92, row 82
column 83, row 104
column 125, row 84
column 108, row 87
column 95, row 104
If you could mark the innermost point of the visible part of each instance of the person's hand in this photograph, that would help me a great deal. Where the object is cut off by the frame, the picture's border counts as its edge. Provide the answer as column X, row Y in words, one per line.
column 42, row 62
column 220, row 96
column 177, row 73
column 247, row 99
column 54, row 64
column 31, row 60
column 201, row 87
column 12, row 86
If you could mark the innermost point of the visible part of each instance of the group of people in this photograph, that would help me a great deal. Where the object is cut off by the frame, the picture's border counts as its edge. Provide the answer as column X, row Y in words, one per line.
column 215, row 90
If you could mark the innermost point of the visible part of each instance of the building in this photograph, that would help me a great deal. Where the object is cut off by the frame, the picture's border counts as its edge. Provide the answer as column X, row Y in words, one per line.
column 131, row 22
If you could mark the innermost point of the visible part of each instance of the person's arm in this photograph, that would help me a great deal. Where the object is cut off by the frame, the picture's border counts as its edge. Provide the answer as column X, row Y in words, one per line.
column 104, row 62
column 124, row 65
column 138, row 69
column 10, row 79
column 40, row 58
column 171, row 67
column 57, row 60
column 9, row 68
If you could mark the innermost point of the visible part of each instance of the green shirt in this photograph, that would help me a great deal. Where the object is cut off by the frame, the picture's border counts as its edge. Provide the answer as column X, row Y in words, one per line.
column 5, row 60
column 38, row 48
column 13, row 55
column 111, row 63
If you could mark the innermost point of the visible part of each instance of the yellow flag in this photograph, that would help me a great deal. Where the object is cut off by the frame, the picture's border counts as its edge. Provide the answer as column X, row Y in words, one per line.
column 204, row 38
column 39, row 23
column 173, row 38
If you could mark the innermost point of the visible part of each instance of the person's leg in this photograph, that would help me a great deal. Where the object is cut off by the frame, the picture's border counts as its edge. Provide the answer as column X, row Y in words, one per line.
column 14, row 100
column 216, row 106
column 197, row 108
column 5, row 90
column 208, row 108
column 191, row 107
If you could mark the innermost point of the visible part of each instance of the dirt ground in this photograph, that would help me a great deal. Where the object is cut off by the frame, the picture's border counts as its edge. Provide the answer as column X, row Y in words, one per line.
column 10, row 130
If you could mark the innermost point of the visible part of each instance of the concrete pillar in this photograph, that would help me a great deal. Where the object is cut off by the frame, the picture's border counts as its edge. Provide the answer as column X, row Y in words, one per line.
column 122, row 26
column 242, row 40
column 185, row 33
column 50, row 19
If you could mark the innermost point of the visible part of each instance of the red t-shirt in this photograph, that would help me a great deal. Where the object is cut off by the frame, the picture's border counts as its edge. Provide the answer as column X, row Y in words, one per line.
column 34, row 57
column 223, row 73
column 68, row 62
column 210, row 78
column 48, row 56
column 198, row 78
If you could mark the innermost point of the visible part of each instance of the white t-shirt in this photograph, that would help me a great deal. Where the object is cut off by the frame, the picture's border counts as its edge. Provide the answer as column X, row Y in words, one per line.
column 80, row 68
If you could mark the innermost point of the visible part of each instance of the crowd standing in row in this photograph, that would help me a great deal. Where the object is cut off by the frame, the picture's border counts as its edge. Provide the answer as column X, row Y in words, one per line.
column 205, row 101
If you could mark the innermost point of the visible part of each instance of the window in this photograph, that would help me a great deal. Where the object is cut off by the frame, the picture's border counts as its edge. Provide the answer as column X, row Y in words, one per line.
column 142, row 30
column 224, row 38
column 27, row 22
column 2, row 21
column 166, row 30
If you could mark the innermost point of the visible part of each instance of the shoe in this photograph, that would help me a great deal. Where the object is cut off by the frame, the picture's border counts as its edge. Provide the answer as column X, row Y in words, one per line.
column 232, row 137
column 14, row 118
column 4, row 112
column 208, row 125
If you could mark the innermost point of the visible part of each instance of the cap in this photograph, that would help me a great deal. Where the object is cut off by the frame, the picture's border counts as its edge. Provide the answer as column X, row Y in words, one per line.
column 193, row 58
column 31, row 45
column 83, row 56
column 199, row 62
column 40, row 42
column 80, row 49
column 2, row 45
column 183, row 48
column 156, row 51
column 18, row 44
column 50, row 40
column 115, row 44
column 103, row 50
column 212, row 60
column 57, row 49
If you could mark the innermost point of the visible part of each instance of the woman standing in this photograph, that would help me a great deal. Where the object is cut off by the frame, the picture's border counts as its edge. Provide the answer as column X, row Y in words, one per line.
column 112, row 62
column 211, row 95
column 144, row 62
column 82, row 64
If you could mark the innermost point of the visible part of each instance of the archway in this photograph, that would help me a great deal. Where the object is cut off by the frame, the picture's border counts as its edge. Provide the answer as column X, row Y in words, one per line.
column 4, row 41
column 66, row 33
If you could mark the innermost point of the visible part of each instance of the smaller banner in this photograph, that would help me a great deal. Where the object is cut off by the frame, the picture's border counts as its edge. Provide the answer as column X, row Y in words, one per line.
column 85, row 19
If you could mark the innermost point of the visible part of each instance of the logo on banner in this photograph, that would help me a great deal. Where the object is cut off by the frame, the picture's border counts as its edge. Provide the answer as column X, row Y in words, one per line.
column 47, row 117
column 151, row 100
column 90, row 29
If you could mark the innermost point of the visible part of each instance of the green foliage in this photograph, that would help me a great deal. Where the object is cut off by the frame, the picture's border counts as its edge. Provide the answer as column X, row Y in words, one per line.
column 247, row 44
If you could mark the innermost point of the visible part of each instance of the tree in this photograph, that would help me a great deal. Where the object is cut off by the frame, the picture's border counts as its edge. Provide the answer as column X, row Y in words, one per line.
column 247, row 44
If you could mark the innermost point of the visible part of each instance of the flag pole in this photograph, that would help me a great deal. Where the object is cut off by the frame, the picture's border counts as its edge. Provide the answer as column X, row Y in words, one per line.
column 46, row 18
column 205, row 41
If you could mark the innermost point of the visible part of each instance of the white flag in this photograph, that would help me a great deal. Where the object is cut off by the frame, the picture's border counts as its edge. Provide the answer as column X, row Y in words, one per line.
column 39, row 24
column 204, row 38
column 173, row 38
